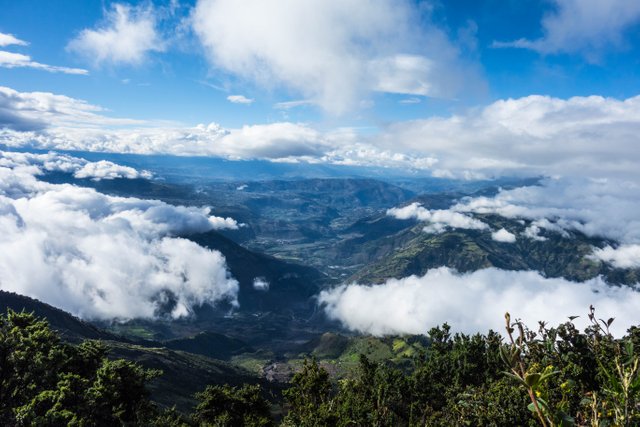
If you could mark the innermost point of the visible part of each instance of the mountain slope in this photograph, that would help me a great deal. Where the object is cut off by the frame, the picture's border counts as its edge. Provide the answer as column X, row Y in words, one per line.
column 290, row 286
column 413, row 251
column 70, row 327
column 184, row 372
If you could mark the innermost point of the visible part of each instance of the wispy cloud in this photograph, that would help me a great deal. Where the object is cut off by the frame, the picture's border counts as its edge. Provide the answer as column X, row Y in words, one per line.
column 128, row 35
column 10, row 39
column 18, row 60
column 287, row 105
column 412, row 100
column 587, row 27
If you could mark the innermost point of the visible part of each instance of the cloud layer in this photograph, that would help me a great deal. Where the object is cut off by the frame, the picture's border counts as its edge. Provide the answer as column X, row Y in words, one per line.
column 80, row 168
column 475, row 302
column 36, row 111
column 105, row 257
column 534, row 135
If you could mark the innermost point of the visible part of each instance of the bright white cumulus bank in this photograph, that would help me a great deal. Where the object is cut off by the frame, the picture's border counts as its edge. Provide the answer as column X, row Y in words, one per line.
column 99, row 256
column 476, row 302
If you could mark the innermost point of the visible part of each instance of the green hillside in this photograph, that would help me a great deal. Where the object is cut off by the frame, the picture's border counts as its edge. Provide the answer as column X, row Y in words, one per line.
column 413, row 251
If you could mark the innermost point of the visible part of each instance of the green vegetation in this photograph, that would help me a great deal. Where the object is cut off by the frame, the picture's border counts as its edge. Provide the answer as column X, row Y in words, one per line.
column 231, row 406
column 550, row 377
column 46, row 382
column 412, row 251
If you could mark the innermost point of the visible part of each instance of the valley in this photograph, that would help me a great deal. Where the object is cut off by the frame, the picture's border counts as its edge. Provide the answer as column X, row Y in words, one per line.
column 296, row 238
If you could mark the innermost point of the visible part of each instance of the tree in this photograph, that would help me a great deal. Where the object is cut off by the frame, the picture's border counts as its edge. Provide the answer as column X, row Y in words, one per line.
column 44, row 381
column 230, row 406
column 309, row 398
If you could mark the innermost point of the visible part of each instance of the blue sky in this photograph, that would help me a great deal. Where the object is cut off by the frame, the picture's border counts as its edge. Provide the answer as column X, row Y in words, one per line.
column 178, row 83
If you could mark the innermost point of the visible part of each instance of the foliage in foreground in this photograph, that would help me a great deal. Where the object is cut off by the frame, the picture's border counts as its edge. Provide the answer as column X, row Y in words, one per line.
column 44, row 381
column 551, row 377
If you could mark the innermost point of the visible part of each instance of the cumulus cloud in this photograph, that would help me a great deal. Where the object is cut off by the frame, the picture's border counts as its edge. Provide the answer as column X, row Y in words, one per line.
column 18, row 60
column 260, row 284
column 105, row 257
column 239, row 99
column 439, row 219
column 533, row 232
column 104, row 169
column 587, row 27
column 127, row 36
column 598, row 208
column 10, row 39
column 624, row 256
column 504, row 236
column 475, row 302
column 332, row 52
column 80, row 168
column 534, row 135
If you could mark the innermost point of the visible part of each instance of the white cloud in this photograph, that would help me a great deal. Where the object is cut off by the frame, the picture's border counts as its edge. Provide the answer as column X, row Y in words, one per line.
column 260, row 284
column 412, row 100
column 624, row 256
column 81, row 168
column 588, row 27
column 25, row 111
column 599, row 208
column 475, row 302
column 534, row 135
column 533, row 232
column 504, row 236
column 332, row 52
column 105, row 257
column 104, row 169
column 239, row 99
column 287, row 105
column 526, row 136
column 401, row 74
column 10, row 39
column 18, row 60
column 128, row 35
column 439, row 220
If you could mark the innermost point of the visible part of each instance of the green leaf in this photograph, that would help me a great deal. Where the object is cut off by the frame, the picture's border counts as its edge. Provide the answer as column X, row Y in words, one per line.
column 532, row 380
column 517, row 378
column 547, row 375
